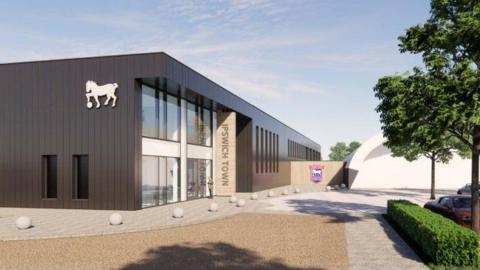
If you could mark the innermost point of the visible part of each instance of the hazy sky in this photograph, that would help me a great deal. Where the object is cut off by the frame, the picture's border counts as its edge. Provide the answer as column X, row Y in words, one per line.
column 311, row 64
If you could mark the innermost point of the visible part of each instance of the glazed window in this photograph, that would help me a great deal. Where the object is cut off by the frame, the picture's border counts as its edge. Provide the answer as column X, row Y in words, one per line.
column 49, row 177
column 80, row 177
column 199, row 125
column 173, row 118
column 261, row 150
column 160, row 111
column 149, row 112
column 257, row 154
column 160, row 180
column 198, row 171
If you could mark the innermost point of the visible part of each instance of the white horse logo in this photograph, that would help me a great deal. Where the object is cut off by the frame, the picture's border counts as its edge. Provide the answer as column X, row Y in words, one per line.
column 94, row 90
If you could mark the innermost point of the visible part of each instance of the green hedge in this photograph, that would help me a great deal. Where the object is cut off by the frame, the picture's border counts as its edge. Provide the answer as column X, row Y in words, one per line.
column 442, row 240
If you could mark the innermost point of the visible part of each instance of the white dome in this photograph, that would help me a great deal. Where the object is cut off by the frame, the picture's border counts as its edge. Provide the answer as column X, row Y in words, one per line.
column 373, row 166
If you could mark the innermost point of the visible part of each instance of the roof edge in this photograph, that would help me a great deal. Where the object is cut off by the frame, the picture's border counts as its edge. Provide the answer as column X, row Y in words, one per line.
column 84, row 57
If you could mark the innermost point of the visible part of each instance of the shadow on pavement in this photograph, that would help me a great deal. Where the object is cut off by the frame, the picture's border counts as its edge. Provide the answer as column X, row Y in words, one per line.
column 405, row 193
column 219, row 256
column 398, row 243
column 339, row 211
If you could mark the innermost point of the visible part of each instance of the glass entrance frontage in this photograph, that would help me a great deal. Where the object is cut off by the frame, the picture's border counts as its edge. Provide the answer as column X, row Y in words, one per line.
column 198, row 171
column 160, row 180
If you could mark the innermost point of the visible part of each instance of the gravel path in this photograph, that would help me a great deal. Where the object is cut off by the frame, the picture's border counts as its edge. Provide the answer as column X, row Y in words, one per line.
column 244, row 241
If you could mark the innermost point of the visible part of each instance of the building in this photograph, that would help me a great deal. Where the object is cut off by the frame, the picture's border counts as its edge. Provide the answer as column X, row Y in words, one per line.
column 132, row 131
column 373, row 166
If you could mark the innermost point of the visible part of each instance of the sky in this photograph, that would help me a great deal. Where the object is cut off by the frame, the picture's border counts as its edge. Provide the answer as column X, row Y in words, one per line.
column 310, row 64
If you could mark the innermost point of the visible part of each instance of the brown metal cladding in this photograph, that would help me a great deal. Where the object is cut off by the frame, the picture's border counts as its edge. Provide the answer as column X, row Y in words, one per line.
column 244, row 157
column 43, row 112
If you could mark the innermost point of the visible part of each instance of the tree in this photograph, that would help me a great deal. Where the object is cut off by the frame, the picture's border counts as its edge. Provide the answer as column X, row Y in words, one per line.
column 408, row 132
column 353, row 146
column 340, row 150
column 449, row 43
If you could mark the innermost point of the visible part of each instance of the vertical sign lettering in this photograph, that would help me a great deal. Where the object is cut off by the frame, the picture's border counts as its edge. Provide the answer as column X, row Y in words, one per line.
column 225, row 154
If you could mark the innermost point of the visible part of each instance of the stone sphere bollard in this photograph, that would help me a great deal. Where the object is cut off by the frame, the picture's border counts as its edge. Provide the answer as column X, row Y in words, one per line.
column 241, row 203
column 23, row 223
column 178, row 212
column 297, row 190
column 342, row 186
column 271, row 194
column 233, row 199
column 254, row 196
column 213, row 207
column 115, row 219
column 285, row 192
column 328, row 188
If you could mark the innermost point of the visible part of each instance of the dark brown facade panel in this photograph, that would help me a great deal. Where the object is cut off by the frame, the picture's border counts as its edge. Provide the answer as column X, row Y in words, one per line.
column 244, row 157
column 43, row 112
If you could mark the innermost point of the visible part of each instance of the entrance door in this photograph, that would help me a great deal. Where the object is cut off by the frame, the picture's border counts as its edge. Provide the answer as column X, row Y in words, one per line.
column 160, row 180
column 173, row 180
column 150, row 175
column 198, row 171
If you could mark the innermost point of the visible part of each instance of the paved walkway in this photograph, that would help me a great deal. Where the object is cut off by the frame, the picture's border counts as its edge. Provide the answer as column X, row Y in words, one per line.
column 54, row 223
column 371, row 242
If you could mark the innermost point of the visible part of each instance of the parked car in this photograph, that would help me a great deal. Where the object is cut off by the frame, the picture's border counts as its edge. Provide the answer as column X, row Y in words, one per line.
column 465, row 190
column 454, row 207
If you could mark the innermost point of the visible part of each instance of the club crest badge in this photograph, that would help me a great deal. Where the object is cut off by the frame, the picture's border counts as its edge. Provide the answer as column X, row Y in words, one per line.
column 316, row 173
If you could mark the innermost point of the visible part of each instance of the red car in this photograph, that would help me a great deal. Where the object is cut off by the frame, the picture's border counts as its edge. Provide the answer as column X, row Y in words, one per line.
column 455, row 207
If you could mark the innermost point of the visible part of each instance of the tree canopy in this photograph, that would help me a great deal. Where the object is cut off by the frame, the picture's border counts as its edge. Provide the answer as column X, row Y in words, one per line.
column 453, row 28
column 449, row 44
column 407, row 104
column 341, row 150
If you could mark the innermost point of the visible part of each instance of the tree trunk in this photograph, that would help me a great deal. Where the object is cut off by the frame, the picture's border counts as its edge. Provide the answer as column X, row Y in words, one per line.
column 475, row 154
column 432, row 175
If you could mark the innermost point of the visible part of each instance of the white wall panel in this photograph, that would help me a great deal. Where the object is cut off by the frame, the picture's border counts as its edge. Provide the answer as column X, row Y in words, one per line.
column 154, row 147
column 199, row 152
